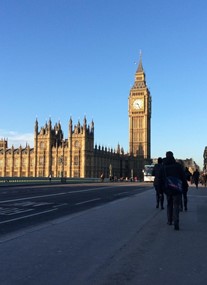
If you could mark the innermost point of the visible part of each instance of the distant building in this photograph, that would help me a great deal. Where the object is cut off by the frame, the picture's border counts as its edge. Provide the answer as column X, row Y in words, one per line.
column 205, row 160
column 188, row 162
column 77, row 156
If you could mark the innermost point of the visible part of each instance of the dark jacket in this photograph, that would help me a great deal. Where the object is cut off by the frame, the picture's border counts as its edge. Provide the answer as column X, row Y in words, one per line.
column 171, row 168
column 196, row 175
column 187, row 174
column 155, row 173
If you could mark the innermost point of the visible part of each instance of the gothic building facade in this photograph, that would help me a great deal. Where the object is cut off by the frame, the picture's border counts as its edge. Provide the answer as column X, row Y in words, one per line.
column 76, row 156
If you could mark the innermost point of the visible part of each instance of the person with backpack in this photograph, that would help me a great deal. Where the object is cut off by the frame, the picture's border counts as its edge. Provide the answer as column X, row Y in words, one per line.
column 155, row 173
column 172, row 181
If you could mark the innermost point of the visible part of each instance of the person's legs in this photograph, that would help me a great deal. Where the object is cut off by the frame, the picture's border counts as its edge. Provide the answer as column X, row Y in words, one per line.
column 169, row 209
column 157, row 196
column 162, row 201
column 176, row 204
column 185, row 200
column 181, row 203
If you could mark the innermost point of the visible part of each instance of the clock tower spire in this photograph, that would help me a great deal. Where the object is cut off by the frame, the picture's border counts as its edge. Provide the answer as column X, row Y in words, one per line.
column 140, row 116
column 140, row 67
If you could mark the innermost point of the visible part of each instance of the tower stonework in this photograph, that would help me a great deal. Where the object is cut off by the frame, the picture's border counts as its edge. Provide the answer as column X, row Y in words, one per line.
column 139, row 104
column 80, row 145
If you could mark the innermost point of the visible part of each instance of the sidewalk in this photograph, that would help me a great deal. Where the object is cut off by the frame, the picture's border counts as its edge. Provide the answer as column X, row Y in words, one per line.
column 161, row 255
column 123, row 242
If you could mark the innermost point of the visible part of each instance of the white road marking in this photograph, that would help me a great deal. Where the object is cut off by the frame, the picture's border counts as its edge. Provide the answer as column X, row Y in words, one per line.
column 28, row 216
column 51, row 195
column 88, row 201
column 12, row 211
column 34, row 197
column 122, row 193
column 60, row 194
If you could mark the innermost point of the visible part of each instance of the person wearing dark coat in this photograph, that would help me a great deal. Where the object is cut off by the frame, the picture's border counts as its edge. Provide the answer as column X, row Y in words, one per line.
column 184, row 199
column 155, row 173
column 196, row 175
column 172, row 168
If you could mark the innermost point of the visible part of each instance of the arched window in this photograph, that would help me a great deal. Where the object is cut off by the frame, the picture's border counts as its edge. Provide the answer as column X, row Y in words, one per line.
column 42, row 145
column 76, row 160
column 77, row 144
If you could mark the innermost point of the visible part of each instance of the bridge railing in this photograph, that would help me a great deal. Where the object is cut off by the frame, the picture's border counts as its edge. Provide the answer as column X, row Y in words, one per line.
column 44, row 180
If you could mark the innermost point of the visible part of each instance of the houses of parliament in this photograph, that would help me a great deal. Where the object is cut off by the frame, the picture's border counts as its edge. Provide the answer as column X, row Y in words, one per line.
column 76, row 156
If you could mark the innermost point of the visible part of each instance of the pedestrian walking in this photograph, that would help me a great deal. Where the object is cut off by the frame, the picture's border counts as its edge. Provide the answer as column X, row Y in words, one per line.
column 188, row 174
column 155, row 173
column 172, row 177
column 196, row 176
column 184, row 198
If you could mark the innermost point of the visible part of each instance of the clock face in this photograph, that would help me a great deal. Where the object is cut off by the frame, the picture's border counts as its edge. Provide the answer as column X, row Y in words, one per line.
column 138, row 104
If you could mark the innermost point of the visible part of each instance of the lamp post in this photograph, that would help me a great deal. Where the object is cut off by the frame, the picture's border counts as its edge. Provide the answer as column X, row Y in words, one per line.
column 132, row 174
column 110, row 172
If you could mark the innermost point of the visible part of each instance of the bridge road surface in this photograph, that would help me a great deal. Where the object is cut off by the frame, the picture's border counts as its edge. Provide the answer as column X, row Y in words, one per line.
column 24, row 206
column 122, row 242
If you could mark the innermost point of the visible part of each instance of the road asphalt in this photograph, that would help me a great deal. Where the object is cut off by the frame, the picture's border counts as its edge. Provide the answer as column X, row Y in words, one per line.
column 124, row 242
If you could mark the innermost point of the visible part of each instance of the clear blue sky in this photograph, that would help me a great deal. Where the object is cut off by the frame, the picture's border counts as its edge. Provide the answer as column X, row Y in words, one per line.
column 62, row 58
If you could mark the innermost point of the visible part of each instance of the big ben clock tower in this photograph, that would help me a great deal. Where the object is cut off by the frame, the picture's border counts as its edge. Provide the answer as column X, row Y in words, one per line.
column 140, row 116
